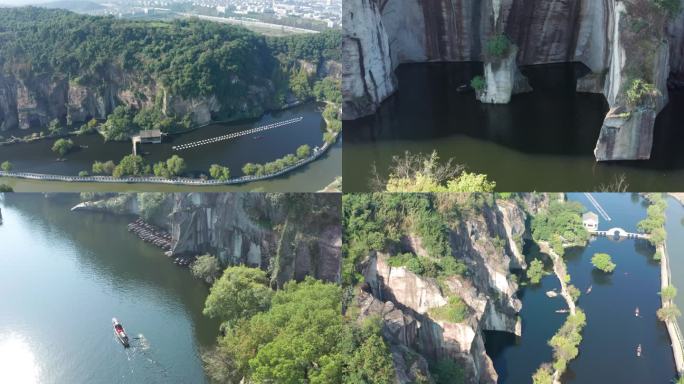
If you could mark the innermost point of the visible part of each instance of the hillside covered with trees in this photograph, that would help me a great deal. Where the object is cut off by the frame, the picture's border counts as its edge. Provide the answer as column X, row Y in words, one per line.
column 60, row 65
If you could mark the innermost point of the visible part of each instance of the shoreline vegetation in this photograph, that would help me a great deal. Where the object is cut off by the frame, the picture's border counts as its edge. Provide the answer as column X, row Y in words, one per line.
column 669, row 311
column 327, row 91
column 185, row 75
column 555, row 230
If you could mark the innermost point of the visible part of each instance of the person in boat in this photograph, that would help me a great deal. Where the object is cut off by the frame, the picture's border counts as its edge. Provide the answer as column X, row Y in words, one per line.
column 120, row 332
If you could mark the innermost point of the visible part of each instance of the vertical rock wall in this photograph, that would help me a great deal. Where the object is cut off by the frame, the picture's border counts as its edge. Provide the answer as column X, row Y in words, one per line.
column 367, row 72
column 545, row 31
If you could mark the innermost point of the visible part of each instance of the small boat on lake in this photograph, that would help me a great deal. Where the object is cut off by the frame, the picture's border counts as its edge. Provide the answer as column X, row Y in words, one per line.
column 636, row 312
column 562, row 311
column 589, row 289
column 120, row 332
column 639, row 351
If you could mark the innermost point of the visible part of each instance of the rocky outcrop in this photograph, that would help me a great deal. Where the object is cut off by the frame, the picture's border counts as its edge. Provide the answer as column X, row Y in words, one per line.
column 593, row 32
column 253, row 229
column 367, row 73
column 404, row 300
column 239, row 228
column 33, row 102
column 503, row 79
column 627, row 132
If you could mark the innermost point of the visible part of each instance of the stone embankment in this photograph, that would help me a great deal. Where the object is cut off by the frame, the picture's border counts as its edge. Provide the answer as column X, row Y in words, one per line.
column 318, row 152
column 672, row 326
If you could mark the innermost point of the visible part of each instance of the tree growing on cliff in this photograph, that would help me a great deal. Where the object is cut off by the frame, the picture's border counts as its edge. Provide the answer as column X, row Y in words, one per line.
column 671, row 7
column 150, row 204
column 62, row 146
column 454, row 311
column 425, row 174
column 6, row 166
column 207, row 268
column 447, row 371
column 603, row 262
column 498, row 46
column 478, row 83
column 640, row 92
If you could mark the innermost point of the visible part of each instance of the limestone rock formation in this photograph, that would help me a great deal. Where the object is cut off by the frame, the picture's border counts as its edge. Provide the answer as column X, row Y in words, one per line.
column 247, row 228
column 239, row 229
column 593, row 32
column 367, row 76
column 485, row 242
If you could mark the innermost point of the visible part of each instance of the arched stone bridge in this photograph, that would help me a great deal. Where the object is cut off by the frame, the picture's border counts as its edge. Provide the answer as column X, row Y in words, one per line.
column 621, row 233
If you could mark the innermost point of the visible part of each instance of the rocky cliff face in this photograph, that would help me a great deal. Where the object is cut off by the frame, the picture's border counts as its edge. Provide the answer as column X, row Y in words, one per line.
column 253, row 229
column 33, row 102
column 244, row 228
column 593, row 32
column 367, row 74
column 488, row 243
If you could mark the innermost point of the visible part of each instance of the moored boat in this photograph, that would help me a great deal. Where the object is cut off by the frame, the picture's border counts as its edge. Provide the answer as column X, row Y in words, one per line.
column 120, row 332
column 639, row 351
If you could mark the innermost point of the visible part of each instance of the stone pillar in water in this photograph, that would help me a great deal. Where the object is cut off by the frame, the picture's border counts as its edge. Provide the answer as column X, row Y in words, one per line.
column 502, row 77
column 636, row 86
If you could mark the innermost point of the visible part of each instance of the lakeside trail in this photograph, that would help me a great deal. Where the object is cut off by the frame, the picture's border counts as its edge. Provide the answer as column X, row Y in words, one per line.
column 560, row 270
column 672, row 326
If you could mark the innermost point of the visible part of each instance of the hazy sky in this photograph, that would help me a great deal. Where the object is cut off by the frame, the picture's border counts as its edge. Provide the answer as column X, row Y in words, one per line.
column 22, row 2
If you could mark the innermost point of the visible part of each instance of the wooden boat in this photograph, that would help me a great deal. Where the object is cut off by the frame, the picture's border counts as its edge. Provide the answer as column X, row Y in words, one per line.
column 120, row 333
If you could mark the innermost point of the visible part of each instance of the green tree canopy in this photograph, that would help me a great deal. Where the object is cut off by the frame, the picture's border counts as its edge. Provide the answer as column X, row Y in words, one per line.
column 130, row 165
column 207, row 268
column 603, row 262
column 62, row 146
column 219, row 172
column 240, row 293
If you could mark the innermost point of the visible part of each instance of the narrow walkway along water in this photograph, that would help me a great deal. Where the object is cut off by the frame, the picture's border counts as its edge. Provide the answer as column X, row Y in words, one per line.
column 675, row 249
column 613, row 332
column 73, row 272
column 262, row 147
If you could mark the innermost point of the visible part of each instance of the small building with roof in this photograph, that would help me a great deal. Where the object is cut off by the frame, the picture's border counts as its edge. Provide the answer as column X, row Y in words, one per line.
column 590, row 221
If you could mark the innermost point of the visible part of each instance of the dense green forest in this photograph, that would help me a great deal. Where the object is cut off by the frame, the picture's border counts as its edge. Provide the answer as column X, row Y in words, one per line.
column 186, row 57
column 294, row 335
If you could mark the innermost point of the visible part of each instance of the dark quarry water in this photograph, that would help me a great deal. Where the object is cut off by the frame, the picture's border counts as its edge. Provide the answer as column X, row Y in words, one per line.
column 64, row 275
column 543, row 140
column 613, row 332
column 259, row 147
